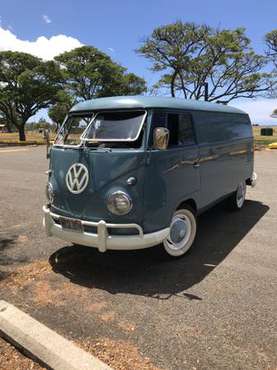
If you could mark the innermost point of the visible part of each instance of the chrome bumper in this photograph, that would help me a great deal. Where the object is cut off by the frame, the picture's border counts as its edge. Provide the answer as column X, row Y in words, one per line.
column 102, row 240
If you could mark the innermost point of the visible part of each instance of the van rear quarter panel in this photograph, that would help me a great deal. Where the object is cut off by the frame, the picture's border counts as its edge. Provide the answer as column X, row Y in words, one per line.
column 225, row 153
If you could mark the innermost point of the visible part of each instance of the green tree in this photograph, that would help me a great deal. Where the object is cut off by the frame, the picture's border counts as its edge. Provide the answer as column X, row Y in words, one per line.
column 271, row 42
column 3, row 122
column 59, row 110
column 187, row 56
column 90, row 73
column 27, row 84
column 130, row 84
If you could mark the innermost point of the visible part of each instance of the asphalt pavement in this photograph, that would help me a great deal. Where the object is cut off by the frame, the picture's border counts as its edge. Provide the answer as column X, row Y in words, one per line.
column 216, row 308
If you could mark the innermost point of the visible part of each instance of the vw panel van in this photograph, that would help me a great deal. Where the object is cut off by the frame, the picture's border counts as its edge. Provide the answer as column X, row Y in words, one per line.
column 133, row 172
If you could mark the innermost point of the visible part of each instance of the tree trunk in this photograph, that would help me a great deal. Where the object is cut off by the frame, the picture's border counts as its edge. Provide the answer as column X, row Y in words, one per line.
column 172, row 84
column 21, row 130
column 8, row 126
column 172, row 88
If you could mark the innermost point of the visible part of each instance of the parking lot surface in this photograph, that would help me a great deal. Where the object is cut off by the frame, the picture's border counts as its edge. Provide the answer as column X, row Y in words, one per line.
column 215, row 308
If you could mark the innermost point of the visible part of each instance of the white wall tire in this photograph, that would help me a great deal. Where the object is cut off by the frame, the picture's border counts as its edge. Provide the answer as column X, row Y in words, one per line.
column 182, row 232
column 237, row 200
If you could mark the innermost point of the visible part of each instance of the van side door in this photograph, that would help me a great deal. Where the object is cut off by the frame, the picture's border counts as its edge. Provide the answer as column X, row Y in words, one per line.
column 172, row 175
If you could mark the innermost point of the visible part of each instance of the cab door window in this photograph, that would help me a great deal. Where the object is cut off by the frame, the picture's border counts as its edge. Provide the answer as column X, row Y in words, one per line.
column 180, row 129
column 173, row 126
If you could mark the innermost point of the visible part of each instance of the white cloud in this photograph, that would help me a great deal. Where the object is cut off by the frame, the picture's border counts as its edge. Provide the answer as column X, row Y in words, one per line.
column 111, row 50
column 46, row 19
column 259, row 109
column 43, row 47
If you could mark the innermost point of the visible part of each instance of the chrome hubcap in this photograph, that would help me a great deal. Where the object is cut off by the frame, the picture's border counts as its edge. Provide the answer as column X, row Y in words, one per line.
column 180, row 231
column 241, row 194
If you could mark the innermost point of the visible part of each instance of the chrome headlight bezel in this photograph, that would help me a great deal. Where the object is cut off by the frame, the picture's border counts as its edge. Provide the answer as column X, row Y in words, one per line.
column 113, row 200
column 49, row 192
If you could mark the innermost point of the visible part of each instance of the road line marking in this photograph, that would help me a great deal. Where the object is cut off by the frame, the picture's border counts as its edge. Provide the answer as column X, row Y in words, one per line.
column 13, row 150
column 42, row 343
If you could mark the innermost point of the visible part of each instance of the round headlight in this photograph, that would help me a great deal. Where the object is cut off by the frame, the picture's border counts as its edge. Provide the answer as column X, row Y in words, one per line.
column 49, row 192
column 119, row 203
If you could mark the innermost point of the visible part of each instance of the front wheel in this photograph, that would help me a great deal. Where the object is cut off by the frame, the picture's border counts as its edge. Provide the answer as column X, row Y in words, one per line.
column 182, row 232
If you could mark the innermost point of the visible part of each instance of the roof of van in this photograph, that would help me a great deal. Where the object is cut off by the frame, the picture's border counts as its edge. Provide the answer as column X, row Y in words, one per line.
column 129, row 102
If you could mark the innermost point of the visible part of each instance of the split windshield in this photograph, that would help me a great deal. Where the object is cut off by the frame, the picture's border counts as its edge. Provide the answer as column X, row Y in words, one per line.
column 101, row 127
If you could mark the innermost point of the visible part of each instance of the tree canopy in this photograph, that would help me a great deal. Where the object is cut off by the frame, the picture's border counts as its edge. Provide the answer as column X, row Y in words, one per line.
column 271, row 41
column 27, row 84
column 187, row 58
column 90, row 73
column 59, row 110
column 188, row 55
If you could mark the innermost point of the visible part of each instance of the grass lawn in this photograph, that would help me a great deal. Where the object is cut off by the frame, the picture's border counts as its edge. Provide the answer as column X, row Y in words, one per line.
column 264, row 140
column 34, row 137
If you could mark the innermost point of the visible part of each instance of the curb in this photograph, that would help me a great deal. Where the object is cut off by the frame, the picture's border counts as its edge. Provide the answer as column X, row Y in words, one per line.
column 42, row 343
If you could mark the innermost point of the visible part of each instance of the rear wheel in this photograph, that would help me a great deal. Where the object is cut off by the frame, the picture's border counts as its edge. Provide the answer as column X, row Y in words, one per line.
column 182, row 232
column 237, row 200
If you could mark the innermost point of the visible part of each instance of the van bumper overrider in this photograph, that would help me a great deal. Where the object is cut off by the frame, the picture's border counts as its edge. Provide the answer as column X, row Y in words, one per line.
column 102, row 240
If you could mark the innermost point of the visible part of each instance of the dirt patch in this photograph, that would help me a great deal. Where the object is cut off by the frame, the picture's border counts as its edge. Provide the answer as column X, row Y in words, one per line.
column 37, row 281
column 41, row 288
column 28, row 273
column 12, row 359
column 96, row 307
column 108, row 316
column 126, row 326
column 22, row 239
column 44, row 295
column 120, row 355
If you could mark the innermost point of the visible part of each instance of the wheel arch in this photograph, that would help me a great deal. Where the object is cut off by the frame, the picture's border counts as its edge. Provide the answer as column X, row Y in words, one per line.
column 190, row 202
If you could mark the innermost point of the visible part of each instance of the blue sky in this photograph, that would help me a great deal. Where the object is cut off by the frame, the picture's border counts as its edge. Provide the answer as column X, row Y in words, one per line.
column 118, row 27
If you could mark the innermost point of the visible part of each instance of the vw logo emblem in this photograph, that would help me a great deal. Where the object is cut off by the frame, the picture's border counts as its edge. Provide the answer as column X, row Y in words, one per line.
column 77, row 178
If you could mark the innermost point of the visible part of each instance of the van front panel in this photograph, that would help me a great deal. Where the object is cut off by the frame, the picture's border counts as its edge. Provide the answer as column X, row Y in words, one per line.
column 108, row 171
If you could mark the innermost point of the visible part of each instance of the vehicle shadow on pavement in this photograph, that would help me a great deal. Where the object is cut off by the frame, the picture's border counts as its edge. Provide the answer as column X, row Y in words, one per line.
column 150, row 272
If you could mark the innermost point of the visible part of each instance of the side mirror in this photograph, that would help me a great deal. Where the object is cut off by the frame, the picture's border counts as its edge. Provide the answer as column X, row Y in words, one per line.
column 161, row 138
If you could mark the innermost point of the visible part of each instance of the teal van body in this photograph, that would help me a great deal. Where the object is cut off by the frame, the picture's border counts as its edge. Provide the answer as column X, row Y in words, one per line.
column 209, row 154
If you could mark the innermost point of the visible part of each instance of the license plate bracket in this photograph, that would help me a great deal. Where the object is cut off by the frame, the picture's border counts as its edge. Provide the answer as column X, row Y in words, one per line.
column 71, row 224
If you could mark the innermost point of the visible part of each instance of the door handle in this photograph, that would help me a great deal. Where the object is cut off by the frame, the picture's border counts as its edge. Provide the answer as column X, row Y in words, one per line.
column 196, row 165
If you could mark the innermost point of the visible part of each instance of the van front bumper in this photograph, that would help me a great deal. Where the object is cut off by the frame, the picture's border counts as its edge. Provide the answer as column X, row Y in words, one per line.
column 102, row 240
